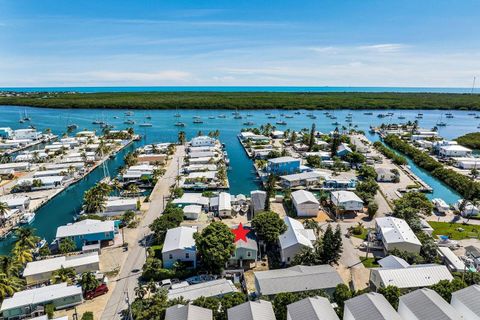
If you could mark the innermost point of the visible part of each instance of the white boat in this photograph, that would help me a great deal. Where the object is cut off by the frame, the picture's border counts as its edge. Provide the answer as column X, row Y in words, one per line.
column 180, row 124
column 198, row 121
column 440, row 205
column 281, row 123
column 27, row 218
column 145, row 124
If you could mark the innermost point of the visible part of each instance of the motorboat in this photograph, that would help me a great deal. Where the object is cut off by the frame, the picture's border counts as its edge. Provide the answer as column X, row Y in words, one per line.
column 27, row 218
column 179, row 124
column 197, row 121
column 129, row 122
column 281, row 123
column 248, row 123
column 145, row 124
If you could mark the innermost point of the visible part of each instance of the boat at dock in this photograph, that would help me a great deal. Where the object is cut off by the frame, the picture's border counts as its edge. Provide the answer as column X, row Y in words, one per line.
column 27, row 218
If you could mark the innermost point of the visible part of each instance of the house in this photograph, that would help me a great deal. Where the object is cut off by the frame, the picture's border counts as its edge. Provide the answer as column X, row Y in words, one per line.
column 396, row 234
column 16, row 166
column 179, row 245
column 188, row 312
column 115, row 206
column 88, row 232
column 409, row 277
column 224, row 204
column 312, row 308
column 305, row 203
column 473, row 252
column 426, row 304
column 467, row 163
column 346, row 200
column 191, row 198
column 303, row 179
column 294, row 239
column 152, row 158
column 6, row 132
column 192, row 211
column 257, row 199
column 252, row 310
column 21, row 203
column 31, row 134
column 465, row 301
column 203, row 141
column 214, row 288
column 451, row 151
column 468, row 209
column 246, row 247
column 283, row 165
column 45, row 182
column 451, row 260
column 369, row 306
column 40, row 271
column 385, row 175
column 297, row 279
column 343, row 149
column 339, row 184
column 31, row 303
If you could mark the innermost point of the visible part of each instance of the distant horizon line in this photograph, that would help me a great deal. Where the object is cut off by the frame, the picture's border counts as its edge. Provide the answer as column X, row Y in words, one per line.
column 229, row 86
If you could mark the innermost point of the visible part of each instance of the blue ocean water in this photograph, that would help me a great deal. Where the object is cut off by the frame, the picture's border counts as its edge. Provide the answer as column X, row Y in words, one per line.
column 239, row 89
column 241, row 175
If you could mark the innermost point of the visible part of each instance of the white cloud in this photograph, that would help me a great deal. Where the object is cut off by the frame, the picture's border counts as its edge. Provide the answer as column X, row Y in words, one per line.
column 384, row 47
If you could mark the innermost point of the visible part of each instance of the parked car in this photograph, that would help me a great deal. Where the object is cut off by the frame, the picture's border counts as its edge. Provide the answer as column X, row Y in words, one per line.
column 98, row 291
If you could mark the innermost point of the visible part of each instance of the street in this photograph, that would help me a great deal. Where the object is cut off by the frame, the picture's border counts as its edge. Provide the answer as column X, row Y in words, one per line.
column 130, row 272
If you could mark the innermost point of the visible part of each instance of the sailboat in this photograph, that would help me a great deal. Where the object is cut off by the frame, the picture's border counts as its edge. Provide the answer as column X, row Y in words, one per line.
column 177, row 115
column 25, row 116
column 441, row 123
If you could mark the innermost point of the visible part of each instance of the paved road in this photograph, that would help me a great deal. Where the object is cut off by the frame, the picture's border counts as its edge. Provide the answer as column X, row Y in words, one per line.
column 128, row 280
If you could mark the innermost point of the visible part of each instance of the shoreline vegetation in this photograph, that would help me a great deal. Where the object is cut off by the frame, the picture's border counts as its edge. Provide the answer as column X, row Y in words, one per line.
column 457, row 181
column 244, row 100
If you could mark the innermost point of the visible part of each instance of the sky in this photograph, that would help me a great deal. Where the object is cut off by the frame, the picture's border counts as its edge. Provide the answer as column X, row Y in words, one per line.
column 407, row 43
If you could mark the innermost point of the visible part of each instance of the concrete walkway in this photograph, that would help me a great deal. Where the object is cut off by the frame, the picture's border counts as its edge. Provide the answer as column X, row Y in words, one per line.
column 131, row 270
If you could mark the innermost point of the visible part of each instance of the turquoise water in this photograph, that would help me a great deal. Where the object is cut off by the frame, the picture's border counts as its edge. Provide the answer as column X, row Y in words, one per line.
column 241, row 176
column 240, row 89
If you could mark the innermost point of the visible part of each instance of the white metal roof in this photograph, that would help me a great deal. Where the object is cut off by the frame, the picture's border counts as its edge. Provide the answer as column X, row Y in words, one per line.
column 196, row 198
column 297, row 278
column 469, row 297
column 303, row 196
column 308, row 175
column 40, row 295
column 14, row 201
column 283, row 159
column 50, row 265
column 87, row 226
column 345, row 196
column 179, row 238
column 224, row 201
column 192, row 208
column 202, row 174
column 371, row 306
column 392, row 261
column 455, row 147
column 426, row 304
column 414, row 276
column 312, row 308
column 252, row 310
column 205, row 289
column 396, row 230
column 452, row 259
column 296, row 234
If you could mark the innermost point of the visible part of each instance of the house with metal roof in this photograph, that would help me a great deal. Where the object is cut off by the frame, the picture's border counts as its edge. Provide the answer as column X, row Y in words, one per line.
column 192, row 211
column 16, row 202
column 312, row 308
column 257, row 199
column 369, row 306
column 302, row 179
column 392, row 261
column 346, row 200
column 343, row 149
column 190, row 198
column 246, row 247
column 395, row 233
column 451, row 260
column 252, row 310
column 224, row 204
column 426, row 304
column 202, row 141
column 283, row 165
column 40, row 271
column 294, row 239
column 305, row 203
column 179, row 245
column 466, row 302
column 412, row 276
column 214, row 288
column 88, row 232
column 31, row 303
column 188, row 312
column 296, row 279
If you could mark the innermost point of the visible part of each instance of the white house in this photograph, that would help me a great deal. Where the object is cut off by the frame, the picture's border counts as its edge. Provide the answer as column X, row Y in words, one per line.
column 252, row 310
column 469, row 209
column 224, row 204
column 396, row 234
column 465, row 301
column 294, row 239
column 467, row 163
column 179, row 245
column 16, row 202
column 305, row 203
column 117, row 206
column 257, row 199
column 214, row 288
column 426, row 304
column 346, row 200
column 192, row 211
column 202, row 141
column 454, row 151
column 369, row 306
column 188, row 312
column 31, row 134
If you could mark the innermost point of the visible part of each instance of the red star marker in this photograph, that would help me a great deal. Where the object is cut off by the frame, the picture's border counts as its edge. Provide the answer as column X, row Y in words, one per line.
column 240, row 233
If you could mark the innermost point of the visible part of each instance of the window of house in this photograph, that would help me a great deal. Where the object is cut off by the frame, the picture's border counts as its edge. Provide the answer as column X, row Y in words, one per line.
column 170, row 256
column 288, row 259
column 187, row 255
column 249, row 254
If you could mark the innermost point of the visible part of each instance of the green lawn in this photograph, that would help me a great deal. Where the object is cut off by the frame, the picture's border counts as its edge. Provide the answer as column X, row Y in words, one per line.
column 451, row 230
column 363, row 235
column 369, row 262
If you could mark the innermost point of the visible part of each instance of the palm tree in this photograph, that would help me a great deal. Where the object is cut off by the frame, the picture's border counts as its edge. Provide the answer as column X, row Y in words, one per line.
column 312, row 224
column 181, row 137
column 116, row 186
column 132, row 189
column 22, row 255
column 474, row 174
column 3, row 212
column 9, row 285
column 88, row 281
column 63, row 275
column 9, row 266
column 26, row 238
column 140, row 292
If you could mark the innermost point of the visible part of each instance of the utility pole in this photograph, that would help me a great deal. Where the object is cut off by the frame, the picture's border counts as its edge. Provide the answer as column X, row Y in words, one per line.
column 130, row 315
